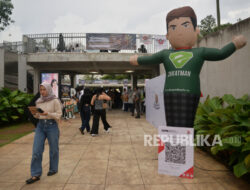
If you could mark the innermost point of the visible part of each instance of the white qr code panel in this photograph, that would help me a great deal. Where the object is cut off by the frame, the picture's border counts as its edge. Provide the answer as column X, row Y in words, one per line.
column 175, row 158
column 175, row 153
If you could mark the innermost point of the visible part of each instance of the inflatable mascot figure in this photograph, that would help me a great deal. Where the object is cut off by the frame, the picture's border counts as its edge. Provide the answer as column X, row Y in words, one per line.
column 183, row 65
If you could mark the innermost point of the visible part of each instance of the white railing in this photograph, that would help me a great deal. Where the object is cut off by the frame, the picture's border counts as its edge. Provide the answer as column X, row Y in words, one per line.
column 76, row 42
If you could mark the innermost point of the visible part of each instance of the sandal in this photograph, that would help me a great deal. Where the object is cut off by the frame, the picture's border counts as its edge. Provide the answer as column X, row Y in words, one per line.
column 32, row 180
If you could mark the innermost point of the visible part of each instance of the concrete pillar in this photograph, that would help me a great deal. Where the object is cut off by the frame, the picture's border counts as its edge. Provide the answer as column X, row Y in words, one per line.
column 1, row 68
column 75, row 81
column 131, row 78
column 162, row 69
column 72, row 80
column 22, row 73
column 133, row 81
column 36, row 80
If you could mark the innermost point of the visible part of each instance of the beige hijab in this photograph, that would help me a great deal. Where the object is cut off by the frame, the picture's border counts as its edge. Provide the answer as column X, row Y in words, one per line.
column 50, row 96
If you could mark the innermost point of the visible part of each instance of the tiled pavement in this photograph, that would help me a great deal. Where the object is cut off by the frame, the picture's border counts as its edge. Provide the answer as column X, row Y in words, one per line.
column 115, row 161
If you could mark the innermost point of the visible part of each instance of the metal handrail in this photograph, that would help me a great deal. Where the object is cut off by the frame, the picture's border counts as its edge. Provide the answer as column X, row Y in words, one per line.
column 34, row 43
column 12, row 46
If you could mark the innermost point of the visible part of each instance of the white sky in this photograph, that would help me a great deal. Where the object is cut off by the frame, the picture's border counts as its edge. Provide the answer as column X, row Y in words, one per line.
column 109, row 16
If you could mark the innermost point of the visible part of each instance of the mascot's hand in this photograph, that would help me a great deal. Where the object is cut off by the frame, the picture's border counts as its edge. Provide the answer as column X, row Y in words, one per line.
column 133, row 60
column 239, row 41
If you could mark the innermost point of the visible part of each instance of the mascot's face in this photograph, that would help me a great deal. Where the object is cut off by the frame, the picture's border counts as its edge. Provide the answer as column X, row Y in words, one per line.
column 181, row 33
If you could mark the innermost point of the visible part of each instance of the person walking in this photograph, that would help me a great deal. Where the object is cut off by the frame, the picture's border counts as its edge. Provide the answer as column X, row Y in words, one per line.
column 112, row 96
column 131, row 101
column 99, row 111
column 143, row 108
column 137, row 100
column 103, row 116
column 125, row 99
column 85, row 110
column 48, row 110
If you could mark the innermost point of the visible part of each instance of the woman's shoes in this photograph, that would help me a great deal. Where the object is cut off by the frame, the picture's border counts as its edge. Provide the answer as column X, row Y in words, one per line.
column 36, row 178
column 32, row 180
column 107, row 131
column 81, row 131
column 51, row 173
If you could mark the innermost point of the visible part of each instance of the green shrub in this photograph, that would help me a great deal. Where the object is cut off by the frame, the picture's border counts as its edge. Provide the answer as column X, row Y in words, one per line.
column 230, row 118
column 12, row 105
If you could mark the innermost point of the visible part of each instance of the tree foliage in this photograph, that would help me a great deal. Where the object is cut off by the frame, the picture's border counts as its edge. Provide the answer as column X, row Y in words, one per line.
column 6, row 8
column 12, row 105
column 124, row 76
column 90, row 77
column 46, row 44
column 218, row 12
column 115, row 76
column 207, row 25
column 221, row 27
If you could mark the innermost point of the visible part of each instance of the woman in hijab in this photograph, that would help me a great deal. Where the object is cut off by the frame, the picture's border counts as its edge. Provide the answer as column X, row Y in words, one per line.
column 48, row 110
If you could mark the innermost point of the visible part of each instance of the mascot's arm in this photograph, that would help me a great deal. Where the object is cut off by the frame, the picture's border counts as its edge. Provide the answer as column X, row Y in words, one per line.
column 154, row 59
column 212, row 54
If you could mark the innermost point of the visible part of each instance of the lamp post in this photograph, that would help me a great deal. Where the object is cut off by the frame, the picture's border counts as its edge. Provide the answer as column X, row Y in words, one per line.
column 218, row 12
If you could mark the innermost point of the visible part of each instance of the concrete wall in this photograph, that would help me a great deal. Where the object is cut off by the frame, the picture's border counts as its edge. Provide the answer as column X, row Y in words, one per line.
column 11, row 70
column 8, row 69
column 232, row 75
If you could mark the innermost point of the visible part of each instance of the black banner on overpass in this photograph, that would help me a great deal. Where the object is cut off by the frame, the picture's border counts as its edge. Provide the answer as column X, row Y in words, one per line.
column 104, row 41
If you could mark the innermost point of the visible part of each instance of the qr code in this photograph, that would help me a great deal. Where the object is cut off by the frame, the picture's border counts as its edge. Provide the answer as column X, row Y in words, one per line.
column 175, row 154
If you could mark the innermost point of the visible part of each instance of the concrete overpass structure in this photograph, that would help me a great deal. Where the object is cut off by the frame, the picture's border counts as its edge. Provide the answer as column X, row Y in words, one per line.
column 14, row 66
column 38, row 53
column 85, row 63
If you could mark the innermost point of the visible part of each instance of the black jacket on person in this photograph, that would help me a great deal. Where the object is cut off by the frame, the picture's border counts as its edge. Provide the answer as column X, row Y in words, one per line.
column 85, row 99
column 33, row 120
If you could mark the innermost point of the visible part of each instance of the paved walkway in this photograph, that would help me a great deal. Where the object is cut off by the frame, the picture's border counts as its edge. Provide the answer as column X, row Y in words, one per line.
column 115, row 161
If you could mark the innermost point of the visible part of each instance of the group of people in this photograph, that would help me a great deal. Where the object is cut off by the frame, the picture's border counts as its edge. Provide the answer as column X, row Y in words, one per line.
column 98, row 104
column 115, row 95
column 134, row 100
